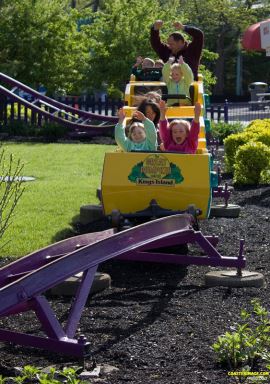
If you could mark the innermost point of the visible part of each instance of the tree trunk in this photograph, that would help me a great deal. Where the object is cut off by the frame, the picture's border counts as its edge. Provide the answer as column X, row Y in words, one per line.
column 223, row 53
column 219, row 70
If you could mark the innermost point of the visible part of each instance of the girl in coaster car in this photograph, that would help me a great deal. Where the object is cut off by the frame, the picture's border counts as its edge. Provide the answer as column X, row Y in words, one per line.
column 179, row 135
column 178, row 78
column 142, row 135
column 150, row 109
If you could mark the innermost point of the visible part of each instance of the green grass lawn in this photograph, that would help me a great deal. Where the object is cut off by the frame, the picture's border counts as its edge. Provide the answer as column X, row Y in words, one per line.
column 67, row 176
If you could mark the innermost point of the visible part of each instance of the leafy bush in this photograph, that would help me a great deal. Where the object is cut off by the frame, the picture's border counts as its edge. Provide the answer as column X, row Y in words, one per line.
column 263, row 137
column 250, row 160
column 114, row 93
column 19, row 128
column 257, row 125
column 222, row 130
column 49, row 131
column 257, row 131
column 249, row 342
column 231, row 144
column 53, row 131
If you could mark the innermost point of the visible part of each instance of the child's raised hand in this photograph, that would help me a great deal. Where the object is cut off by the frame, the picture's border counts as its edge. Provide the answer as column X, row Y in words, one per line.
column 163, row 109
column 158, row 24
column 139, row 60
column 181, row 60
column 197, row 111
column 138, row 115
column 162, row 105
column 178, row 25
column 171, row 59
column 121, row 115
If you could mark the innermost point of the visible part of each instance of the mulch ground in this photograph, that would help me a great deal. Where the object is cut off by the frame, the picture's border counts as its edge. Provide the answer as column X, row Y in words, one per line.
column 157, row 322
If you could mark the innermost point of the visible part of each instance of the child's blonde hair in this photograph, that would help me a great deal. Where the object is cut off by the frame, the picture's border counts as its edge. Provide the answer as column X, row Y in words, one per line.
column 134, row 125
column 176, row 66
column 185, row 123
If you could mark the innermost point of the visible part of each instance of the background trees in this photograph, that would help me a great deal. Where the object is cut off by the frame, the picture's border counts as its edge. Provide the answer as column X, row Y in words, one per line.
column 40, row 43
column 71, row 46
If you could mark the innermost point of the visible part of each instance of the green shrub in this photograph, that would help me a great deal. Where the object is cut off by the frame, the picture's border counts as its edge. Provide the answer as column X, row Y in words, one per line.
column 222, row 130
column 19, row 128
column 256, row 131
column 263, row 136
column 257, row 125
column 231, row 144
column 250, row 160
column 49, row 131
column 53, row 131
column 114, row 93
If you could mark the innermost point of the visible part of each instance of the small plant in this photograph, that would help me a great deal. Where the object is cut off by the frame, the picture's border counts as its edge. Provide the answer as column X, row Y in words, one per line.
column 10, row 188
column 249, row 341
column 31, row 374
column 70, row 374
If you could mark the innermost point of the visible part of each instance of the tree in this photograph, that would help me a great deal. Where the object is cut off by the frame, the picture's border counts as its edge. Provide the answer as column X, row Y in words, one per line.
column 40, row 43
column 119, row 33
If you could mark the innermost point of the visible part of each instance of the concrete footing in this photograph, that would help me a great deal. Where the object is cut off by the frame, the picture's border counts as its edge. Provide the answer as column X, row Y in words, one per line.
column 231, row 279
column 220, row 210
column 90, row 213
column 68, row 287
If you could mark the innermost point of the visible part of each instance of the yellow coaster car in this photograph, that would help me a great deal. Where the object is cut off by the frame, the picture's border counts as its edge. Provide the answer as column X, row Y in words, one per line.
column 132, row 181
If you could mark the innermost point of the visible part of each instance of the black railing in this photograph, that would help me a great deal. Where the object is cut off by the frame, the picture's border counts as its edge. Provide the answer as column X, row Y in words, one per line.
column 233, row 112
column 104, row 106
column 227, row 112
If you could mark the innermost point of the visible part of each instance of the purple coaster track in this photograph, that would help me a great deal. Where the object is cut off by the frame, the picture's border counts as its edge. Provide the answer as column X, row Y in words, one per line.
column 75, row 119
column 23, row 282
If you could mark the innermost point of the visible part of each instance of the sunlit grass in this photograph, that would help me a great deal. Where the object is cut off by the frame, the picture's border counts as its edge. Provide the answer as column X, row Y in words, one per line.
column 67, row 176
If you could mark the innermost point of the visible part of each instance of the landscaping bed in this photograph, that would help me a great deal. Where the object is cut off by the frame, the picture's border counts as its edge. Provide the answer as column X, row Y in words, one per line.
column 157, row 322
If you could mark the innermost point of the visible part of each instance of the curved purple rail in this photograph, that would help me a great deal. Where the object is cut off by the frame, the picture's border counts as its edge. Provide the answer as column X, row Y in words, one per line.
column 23, row 281
column 75, row 119
column 15, row 83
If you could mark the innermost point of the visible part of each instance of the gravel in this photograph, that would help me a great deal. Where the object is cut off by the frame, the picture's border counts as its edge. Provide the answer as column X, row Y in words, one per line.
column 157, row 322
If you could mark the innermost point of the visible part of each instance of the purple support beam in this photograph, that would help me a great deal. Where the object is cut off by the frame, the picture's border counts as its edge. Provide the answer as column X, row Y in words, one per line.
column 80, row 300
column 64, row 346
column 47, row 318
